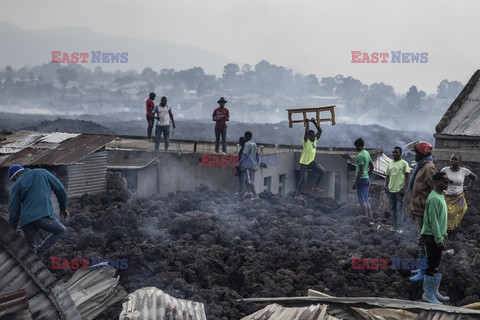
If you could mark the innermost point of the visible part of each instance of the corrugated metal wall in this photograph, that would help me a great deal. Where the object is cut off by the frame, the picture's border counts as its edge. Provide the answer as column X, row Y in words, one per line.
column 89, row 175
column 20, row 268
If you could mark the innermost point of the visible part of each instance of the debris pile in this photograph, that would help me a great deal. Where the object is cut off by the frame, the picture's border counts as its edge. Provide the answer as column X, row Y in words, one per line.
column 212, row 247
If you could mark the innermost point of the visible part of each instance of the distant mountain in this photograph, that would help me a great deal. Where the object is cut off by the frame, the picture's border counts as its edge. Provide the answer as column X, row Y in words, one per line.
column 33, row 47
column 71, row 126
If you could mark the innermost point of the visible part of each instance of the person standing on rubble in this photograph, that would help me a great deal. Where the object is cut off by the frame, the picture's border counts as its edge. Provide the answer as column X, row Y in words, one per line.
column 398, row 171
column 455, row 194
column 163, row 114
column 150, row 105
column 420, row 185
column 363, row 169
column 250, row 162
column 240, row 171
column 221, row 116
column 31, row 206
column 307, row 159
column 433, row 234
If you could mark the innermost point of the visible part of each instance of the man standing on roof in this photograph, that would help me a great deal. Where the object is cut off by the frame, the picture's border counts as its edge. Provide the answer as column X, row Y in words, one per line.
column 398, row 173
column 420, row 185
column 163, row 114
column 249, row 162
column 363, row 169
column 221, row 116
column 307, row 159
column 150, row 105
column 30, row 204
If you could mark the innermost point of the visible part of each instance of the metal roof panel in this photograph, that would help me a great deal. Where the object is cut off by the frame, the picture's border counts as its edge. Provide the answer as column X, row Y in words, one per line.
column 67, row 152
column 153, row 303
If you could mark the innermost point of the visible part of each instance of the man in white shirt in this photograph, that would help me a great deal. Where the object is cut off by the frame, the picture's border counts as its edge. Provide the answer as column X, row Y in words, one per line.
column 163, row 114
column 250, row 163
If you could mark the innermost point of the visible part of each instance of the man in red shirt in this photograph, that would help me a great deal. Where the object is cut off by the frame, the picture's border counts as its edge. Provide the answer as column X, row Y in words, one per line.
column 150, row 105
column 221, row 116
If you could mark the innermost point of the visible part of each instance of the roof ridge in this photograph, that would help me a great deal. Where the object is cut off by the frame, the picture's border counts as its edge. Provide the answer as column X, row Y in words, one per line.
column 457, row 103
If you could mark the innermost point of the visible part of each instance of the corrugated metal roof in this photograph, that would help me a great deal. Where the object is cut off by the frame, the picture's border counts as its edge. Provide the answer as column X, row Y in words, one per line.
column 381, row 163
column 466, row 121
column 278, row 312
column 66, row 152
column 21, row 268
column 19, row 141
column 463, row 116
column 58, row 137
column 14, row 305
column 428, row 315
column 94, row 290
column 151, row 303
column 371, row 302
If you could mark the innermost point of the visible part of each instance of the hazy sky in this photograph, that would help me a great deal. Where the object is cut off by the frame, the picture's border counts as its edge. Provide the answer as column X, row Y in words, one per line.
column 308, row 36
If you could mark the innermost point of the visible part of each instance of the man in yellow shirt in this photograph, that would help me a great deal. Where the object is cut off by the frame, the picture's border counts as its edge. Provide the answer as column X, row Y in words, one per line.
column 307, row 160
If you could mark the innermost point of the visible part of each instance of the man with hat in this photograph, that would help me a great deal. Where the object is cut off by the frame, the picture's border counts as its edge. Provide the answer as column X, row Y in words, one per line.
column 31, row 206
column 433, row 234
column 420, row 186
column 221, row 116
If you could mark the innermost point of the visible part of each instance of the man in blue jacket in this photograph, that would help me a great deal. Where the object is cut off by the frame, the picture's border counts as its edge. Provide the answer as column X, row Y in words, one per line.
column 30, row 204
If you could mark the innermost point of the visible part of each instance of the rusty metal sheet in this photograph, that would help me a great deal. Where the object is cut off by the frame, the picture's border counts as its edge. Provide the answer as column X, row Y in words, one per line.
column 67, row 152
column 14, row 305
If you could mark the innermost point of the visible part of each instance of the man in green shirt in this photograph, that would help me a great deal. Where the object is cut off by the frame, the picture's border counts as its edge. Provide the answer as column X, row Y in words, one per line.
column 362, row 182
column 307, row 160
column 398, row 171
column 433, row 234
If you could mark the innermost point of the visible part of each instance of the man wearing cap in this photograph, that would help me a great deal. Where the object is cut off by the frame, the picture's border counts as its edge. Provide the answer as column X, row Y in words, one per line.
column 433, row 234
column 420, row 186
column 221, row 116
column 31, row 206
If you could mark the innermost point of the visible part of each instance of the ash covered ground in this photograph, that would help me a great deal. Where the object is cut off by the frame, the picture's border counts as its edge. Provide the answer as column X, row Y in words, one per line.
column 212, row 247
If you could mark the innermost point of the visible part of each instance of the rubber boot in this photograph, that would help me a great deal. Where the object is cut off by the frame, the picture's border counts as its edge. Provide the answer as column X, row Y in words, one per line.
column 435, row 292
column 421, row 272
column 430, row 284
column 421, row 256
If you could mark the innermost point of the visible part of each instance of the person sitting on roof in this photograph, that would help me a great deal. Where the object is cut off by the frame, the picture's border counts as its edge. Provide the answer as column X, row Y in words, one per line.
column 31, row 206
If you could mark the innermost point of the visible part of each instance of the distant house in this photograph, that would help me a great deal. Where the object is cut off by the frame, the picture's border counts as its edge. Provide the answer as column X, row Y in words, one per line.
column 459, row 129
column 79, row 161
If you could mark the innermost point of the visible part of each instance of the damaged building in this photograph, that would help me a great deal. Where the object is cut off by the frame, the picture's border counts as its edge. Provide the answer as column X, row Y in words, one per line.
column 148, row 173
column 79, row 161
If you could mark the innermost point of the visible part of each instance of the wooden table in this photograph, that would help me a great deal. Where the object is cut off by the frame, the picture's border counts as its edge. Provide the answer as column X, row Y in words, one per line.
column 317, row 111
